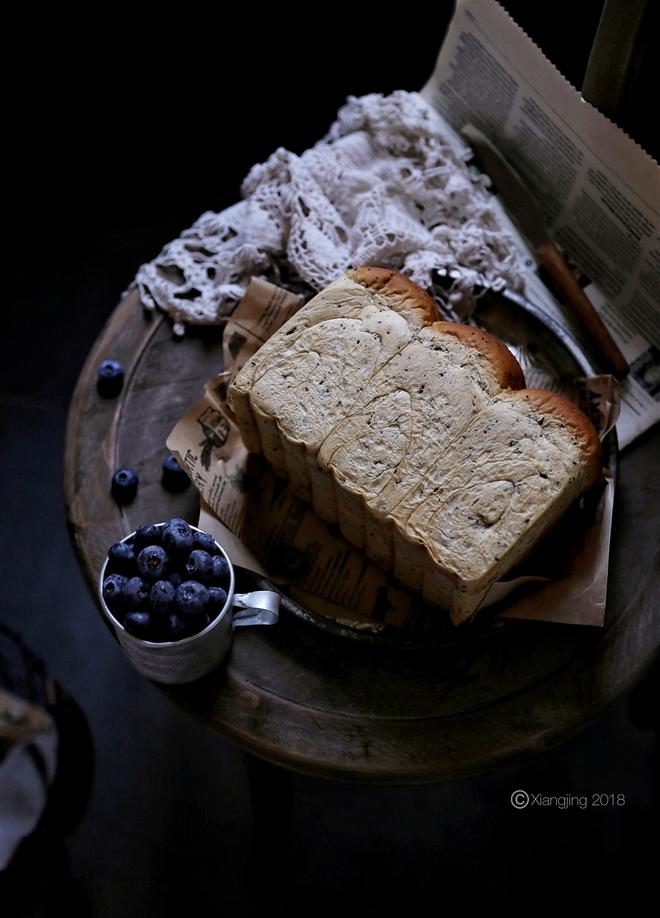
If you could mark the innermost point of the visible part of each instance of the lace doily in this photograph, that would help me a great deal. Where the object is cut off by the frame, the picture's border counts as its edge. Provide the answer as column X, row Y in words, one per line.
column 386, row 186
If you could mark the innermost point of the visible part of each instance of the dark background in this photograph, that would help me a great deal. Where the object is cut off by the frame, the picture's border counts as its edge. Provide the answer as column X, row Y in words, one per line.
column 120, row 136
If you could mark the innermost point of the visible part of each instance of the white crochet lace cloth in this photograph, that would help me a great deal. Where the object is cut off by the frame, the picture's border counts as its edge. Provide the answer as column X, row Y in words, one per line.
column 386, row 186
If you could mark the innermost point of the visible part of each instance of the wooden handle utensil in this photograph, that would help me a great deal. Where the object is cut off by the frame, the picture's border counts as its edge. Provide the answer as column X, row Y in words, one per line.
column 553, row 261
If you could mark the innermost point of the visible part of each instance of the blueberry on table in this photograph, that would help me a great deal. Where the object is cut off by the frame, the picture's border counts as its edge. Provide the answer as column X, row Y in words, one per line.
column 136, row 593
column 199, row 565
column 174, row 477
column 205, row 542
column 220, row 570
column 113, row 588
column 161, row 597
column 146, row 535
column 122, row 557
column 191, row 598
column 153, row 563
column 138, row 624
column 124, row 485
column 177, row 538
column 109, row 378
column 216, row 601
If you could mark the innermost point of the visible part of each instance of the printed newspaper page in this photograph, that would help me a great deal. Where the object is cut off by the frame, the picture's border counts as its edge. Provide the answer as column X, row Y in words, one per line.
column 599, row 191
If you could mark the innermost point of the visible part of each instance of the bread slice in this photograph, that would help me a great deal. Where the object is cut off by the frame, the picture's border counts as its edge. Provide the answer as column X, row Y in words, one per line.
column 416, row 436
column 305, row 378
column 415, row 406
column 507, row 479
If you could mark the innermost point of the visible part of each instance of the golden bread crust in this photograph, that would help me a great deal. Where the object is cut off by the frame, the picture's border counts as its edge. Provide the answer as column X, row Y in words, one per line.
column 561, row 409
column 396, row 286
column 508, row 371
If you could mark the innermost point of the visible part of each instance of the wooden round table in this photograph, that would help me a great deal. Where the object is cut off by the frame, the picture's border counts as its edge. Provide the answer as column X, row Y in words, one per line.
column 317, row 703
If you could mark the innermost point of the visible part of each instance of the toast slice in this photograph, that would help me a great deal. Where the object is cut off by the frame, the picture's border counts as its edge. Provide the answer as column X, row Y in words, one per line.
column 478, row 509
column 305, row 378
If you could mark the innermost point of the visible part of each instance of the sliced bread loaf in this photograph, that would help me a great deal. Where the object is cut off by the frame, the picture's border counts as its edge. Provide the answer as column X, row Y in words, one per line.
column 415, row 435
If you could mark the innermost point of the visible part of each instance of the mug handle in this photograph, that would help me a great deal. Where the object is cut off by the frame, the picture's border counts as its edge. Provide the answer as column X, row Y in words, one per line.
column 261, row 607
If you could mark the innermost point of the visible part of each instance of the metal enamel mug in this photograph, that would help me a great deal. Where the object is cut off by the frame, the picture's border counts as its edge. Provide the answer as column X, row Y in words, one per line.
column 178, row 662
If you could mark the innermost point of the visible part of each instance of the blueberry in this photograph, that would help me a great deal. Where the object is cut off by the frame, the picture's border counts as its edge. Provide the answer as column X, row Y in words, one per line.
column 199, row 566
column 205, row 542
column 191, row 598
column 174, row 477
column 177, row 628
column 146, row 535
column 136, row 593
column 199, row 622
column 122, row 557
column 175, row 579
column 220, row 570
column 113, row 587
column 161, row 597
column 153, row 563
column 216, row 601
column 109, row 378
column 138, row 624
column 124, row 485
column 177, row 537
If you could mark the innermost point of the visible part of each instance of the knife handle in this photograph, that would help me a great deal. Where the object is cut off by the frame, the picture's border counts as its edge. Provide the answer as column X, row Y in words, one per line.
column 553, row 261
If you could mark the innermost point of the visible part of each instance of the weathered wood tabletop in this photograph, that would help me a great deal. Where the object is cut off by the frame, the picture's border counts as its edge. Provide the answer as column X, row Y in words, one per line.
column 325, row 705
